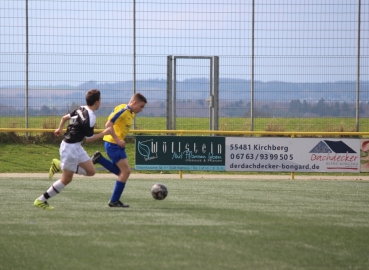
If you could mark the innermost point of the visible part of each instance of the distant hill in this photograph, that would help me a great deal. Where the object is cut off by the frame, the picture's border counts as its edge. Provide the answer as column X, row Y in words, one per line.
column 239, row 89
column 234, row 92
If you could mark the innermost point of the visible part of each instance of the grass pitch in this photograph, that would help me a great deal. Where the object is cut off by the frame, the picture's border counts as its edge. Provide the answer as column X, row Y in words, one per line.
column 202, row 224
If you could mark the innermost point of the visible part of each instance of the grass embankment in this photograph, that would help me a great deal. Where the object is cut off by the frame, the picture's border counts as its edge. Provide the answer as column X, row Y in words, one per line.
column 327, row 124
column 32, row 158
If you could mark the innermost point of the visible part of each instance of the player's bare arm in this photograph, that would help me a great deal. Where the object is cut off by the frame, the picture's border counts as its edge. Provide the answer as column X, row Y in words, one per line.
column 63, row 120
column 119, row 142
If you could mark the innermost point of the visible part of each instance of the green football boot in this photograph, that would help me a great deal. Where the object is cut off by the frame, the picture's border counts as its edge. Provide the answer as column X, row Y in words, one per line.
column 43, row 205
column 55, row 167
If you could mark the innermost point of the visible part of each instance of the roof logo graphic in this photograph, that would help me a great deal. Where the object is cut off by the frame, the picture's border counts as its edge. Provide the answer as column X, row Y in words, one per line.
column 327, row 146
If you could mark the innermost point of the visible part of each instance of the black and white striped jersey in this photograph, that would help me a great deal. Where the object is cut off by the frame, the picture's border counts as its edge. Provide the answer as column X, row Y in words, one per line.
column 81, row 124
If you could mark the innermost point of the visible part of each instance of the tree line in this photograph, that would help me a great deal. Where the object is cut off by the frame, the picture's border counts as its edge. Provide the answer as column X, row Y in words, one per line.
column 296, row 108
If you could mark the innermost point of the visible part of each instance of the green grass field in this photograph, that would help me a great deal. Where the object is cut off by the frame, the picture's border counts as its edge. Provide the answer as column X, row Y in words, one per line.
column 202, row 224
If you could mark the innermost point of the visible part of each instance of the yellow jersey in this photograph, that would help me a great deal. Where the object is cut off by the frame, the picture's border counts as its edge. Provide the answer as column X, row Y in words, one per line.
column 122, row 117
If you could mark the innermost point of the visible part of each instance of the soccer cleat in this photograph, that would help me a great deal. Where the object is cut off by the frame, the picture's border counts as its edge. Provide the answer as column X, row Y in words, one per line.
column 96, row 157
column 43, row 205
column 117, row 204
column 55, row 167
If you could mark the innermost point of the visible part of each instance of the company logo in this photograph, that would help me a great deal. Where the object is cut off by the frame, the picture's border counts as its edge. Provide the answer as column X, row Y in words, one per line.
column 336, row 155
column 147, row 149
column 332, row 147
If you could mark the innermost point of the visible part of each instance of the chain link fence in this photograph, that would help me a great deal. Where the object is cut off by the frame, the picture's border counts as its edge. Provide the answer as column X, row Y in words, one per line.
column 283, row 65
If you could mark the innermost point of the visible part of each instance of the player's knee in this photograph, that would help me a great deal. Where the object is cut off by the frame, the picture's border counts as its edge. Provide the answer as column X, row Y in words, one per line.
column 124, row 175
column 91, row 172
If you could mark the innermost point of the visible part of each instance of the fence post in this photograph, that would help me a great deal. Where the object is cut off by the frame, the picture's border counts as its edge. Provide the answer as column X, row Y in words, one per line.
column 358, row 68
column 169, row 93
column 252, row 65
column 134, row 55
column 26, row 109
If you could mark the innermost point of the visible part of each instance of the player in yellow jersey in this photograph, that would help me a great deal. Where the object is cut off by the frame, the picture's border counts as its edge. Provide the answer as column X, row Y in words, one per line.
column 121, row 120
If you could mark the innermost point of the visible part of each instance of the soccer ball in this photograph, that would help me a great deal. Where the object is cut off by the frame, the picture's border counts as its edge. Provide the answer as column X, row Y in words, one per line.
column 159, row 191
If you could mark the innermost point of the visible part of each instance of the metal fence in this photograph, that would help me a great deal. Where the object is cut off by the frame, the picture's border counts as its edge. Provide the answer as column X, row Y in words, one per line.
column 283, row 65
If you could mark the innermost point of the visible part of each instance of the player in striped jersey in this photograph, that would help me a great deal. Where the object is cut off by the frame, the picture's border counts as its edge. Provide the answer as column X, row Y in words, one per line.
column 73, row 158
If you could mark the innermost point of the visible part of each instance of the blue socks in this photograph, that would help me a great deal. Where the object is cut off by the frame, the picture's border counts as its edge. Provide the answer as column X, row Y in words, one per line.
column 118, row 190
column 110, row 166
column 119, row 186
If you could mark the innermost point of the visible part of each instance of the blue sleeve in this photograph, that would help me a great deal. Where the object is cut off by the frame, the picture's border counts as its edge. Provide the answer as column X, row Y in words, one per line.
column 116, row 116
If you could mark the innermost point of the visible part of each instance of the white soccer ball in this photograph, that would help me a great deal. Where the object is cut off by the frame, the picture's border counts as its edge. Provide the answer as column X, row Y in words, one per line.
column 159, row 191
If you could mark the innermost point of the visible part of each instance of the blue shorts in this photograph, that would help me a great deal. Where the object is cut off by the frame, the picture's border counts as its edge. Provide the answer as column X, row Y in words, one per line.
column 115, row 152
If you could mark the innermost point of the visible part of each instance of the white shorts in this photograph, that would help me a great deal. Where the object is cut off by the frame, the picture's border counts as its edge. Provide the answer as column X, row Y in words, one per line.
column 72, row 154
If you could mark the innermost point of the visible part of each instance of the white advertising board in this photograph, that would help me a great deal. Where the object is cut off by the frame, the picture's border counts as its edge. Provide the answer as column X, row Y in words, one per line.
column 292, row 154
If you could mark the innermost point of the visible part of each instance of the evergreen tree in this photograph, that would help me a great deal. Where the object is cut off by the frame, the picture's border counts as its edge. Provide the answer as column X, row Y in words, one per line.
column 294, row 108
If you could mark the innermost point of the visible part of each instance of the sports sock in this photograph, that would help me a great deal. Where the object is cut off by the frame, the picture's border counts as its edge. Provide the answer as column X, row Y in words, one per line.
column 55, row 188
column 118, row 190
column 110, row 166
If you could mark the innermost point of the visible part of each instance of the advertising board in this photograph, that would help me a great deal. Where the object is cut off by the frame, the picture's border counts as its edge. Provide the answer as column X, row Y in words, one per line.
column 180, row 153
column 293, row 154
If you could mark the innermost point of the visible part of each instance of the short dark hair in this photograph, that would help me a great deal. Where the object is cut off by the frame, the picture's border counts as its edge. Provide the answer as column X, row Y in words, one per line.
column 92, row 96
column 139, row 97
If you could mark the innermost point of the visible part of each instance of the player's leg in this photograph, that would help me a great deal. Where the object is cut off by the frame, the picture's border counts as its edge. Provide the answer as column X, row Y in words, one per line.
column 107, row 164
column 119, row 158
column 125, row 171
column 69, row 158
column 120, row 184
column 86, row 168
column 84, row 165
column 54, row 189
